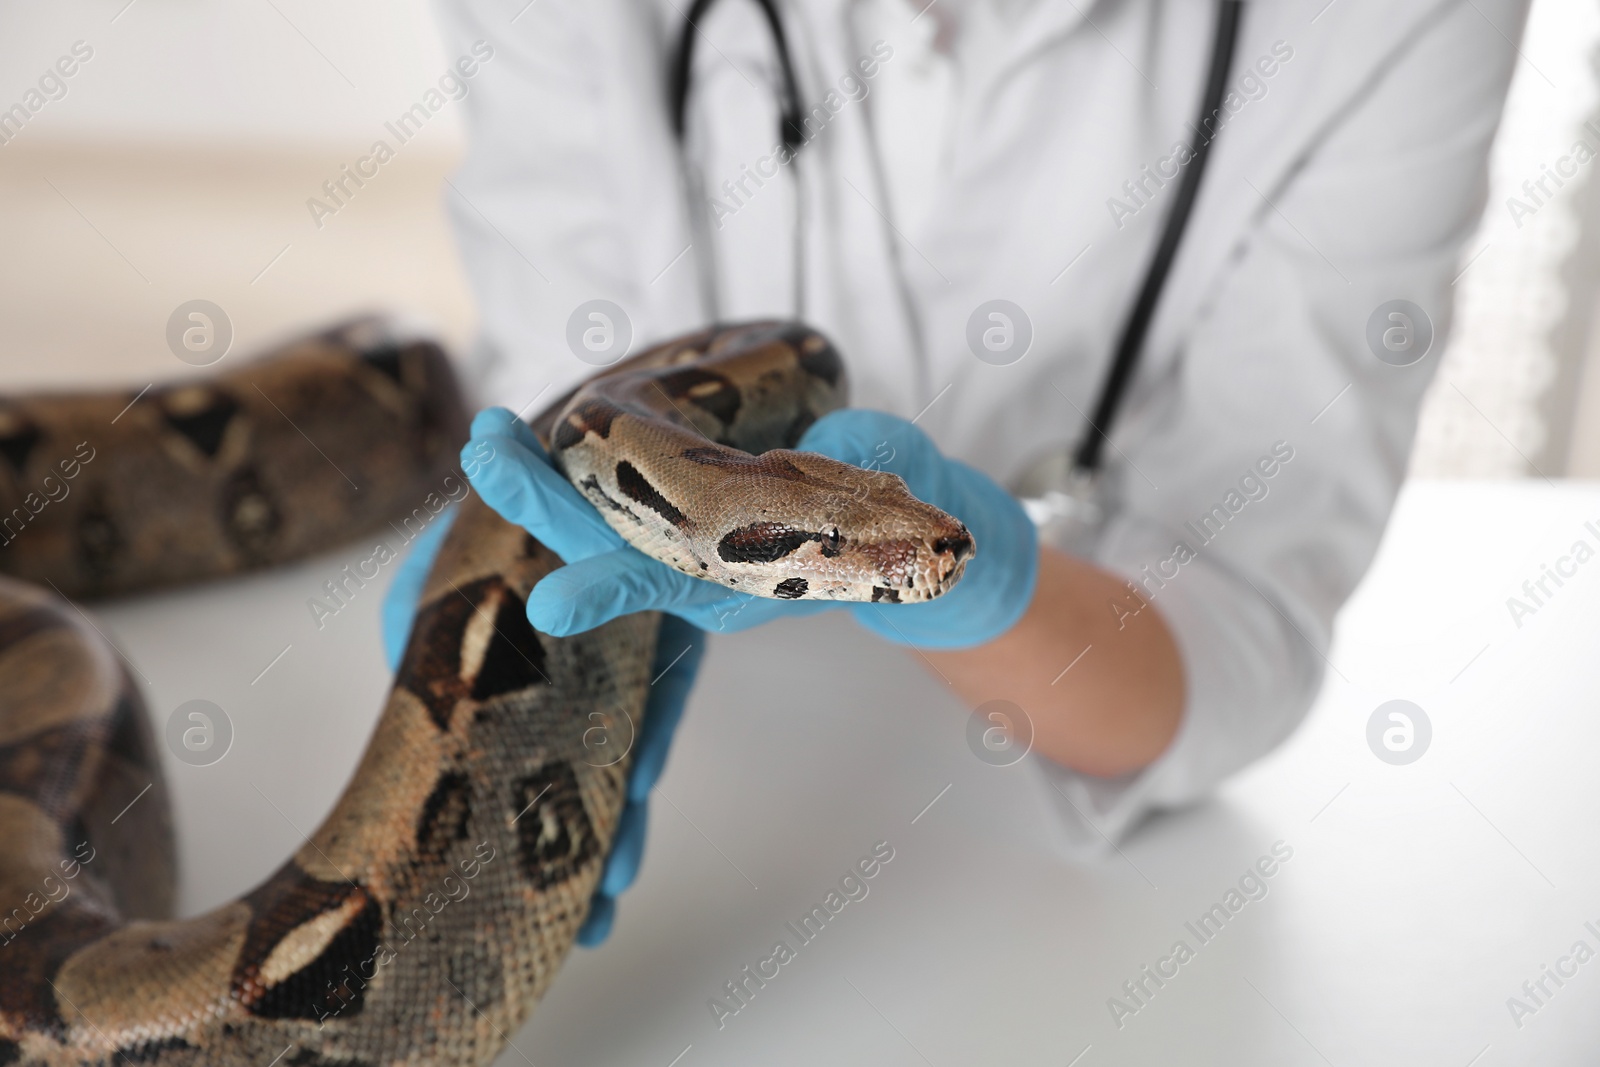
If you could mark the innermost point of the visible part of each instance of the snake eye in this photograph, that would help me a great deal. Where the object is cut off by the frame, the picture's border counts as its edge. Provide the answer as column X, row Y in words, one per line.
column 832, row 539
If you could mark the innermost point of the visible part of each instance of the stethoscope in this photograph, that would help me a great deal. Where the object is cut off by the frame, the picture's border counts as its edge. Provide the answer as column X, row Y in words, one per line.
column 791, row 135
column 1062, row 490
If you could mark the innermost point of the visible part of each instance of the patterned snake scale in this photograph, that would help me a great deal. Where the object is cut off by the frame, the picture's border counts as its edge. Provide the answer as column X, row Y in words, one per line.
column 426, row 916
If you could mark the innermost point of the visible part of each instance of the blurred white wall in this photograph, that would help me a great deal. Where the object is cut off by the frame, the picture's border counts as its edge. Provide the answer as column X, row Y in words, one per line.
column 249, row 72
column 178, row 165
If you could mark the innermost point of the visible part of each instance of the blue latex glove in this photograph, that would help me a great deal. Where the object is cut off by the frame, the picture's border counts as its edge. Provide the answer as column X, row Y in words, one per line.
column 678, row 651
column 400, row 602
column 605, row 577
column 679, row 647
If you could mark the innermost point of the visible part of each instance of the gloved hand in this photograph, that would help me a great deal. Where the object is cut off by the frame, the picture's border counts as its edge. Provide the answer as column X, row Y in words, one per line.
column 606, row 577
column 679, row 648
column 400, row 601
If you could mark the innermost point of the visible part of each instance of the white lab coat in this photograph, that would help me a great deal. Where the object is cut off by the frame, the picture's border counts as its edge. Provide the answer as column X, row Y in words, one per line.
column 1347, row 178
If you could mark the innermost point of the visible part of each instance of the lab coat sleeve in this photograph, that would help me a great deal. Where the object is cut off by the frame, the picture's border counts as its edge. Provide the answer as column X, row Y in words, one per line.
column 1279, row 427
column 568, row 153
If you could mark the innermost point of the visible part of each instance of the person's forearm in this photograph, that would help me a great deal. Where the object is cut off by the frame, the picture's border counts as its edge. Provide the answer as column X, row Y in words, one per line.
column 1105, row 695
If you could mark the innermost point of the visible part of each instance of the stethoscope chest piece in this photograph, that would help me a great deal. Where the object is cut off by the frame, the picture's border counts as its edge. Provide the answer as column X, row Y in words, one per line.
column 1065, row 502
column 1062, row 490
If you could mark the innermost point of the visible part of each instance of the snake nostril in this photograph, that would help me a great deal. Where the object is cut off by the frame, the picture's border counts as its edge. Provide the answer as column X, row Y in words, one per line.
column 959, row 546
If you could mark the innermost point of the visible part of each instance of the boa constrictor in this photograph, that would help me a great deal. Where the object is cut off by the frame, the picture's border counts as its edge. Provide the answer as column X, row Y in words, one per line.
column 426, row 916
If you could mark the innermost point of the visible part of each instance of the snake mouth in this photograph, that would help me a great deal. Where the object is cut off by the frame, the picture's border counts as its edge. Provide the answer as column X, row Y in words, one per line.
column 948, row 561
column 959, row 547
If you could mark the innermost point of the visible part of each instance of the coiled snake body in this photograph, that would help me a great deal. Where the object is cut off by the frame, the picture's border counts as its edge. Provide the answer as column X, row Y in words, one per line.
column 425, row 917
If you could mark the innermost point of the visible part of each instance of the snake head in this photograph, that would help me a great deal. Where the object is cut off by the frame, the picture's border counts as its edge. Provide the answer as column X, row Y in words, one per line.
column 832, row 531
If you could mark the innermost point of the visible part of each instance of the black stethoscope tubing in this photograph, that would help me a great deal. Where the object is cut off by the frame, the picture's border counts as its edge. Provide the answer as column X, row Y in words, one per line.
column 1089, row 455
column 790, row 131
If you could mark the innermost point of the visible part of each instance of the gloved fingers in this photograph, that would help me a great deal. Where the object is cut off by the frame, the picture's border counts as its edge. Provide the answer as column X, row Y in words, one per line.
column 852, row 435
column 733, row 612
column 622, row 867
column 678, row 652
column 400, row 599
column 944, row 623
column 593, row 591
column 597, row 589
column 519, row 483
column 501, row 422
column 679, row 649
column 996, row 589
column 954, row 621
column 877, row 440
column 597, row 926
column 627, row 849
column 998, row 585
